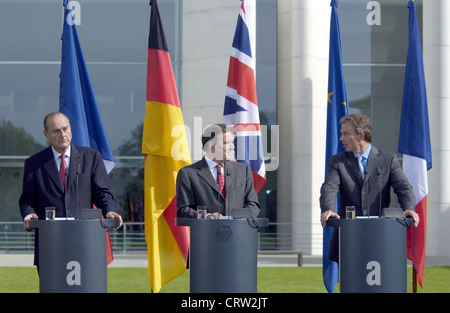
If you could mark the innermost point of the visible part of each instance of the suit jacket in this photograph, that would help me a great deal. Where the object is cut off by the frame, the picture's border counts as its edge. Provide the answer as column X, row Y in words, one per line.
column 196, row 187
column 370, row 196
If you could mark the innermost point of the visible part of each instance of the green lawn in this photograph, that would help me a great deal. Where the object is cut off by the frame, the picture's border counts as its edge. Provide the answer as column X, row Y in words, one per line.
column 270, row 280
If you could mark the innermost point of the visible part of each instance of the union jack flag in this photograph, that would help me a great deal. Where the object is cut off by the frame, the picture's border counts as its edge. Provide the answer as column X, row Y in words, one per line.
column 241, row 103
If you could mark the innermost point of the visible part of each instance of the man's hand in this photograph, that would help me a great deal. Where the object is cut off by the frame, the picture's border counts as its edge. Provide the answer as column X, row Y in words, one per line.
column 213, row 216
column 31, row 216
column 114, row 215
column 326, row 215
column 414, row 216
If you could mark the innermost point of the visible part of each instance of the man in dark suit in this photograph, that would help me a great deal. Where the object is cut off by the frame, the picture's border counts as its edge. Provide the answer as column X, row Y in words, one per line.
column 366, row 186
column 198, row 184
column 82, row 184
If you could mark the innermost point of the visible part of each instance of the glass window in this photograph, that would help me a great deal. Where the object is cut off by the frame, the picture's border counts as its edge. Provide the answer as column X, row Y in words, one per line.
column 374, row 36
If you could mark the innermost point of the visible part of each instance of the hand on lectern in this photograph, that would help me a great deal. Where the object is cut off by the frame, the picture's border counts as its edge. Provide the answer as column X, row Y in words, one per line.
column 114, row 215
column 414, row 216
column 31, row 216
column 326, row 215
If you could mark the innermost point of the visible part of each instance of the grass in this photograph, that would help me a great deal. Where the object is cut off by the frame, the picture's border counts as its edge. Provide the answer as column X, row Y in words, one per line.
column 270, row 280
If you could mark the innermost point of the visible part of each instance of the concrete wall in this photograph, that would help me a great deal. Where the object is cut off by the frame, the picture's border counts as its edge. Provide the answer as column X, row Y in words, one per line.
column 436, row 50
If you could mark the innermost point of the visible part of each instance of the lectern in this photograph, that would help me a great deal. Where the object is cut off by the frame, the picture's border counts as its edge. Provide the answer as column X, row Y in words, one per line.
column 223, row 254
column 72, row 255
column 372, row 254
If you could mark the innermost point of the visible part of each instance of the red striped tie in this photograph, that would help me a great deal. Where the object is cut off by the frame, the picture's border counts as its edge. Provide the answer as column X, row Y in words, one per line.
column 62, row 169
column 221, row 180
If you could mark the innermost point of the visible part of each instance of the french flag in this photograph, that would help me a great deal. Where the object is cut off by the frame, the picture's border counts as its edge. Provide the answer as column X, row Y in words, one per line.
column 241, row 103
column 414, row 140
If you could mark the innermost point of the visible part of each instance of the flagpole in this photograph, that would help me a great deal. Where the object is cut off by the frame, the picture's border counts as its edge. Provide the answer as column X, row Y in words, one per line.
column 414, row 273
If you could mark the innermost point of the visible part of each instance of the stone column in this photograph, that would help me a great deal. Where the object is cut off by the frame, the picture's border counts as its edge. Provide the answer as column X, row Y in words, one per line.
column 436, row 51
column 303, row 39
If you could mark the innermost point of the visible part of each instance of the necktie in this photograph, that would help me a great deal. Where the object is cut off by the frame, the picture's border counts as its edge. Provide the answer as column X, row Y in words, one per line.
column 62, row 169
column 220, row 179
column 361, row 164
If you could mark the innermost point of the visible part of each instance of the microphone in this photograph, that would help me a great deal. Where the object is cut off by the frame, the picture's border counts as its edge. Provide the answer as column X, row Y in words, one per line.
column 381, row 190
column 78, row 172
column 226, row 191
column 218, row 191
column 368, row 203
column 66, row 174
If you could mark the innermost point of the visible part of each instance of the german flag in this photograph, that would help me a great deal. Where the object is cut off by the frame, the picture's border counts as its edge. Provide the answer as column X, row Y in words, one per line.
column 166, row 150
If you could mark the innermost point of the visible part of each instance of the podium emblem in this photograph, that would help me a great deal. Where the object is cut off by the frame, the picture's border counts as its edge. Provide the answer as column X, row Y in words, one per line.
column 224, row 233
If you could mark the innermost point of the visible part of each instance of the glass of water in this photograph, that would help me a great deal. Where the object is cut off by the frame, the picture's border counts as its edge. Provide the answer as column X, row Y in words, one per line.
column 350, row 212
column 50, row 213
column 201, row 212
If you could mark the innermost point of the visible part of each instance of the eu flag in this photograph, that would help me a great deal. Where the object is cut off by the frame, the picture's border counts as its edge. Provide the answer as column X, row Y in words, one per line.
column 336, row 108
column 77, row 98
